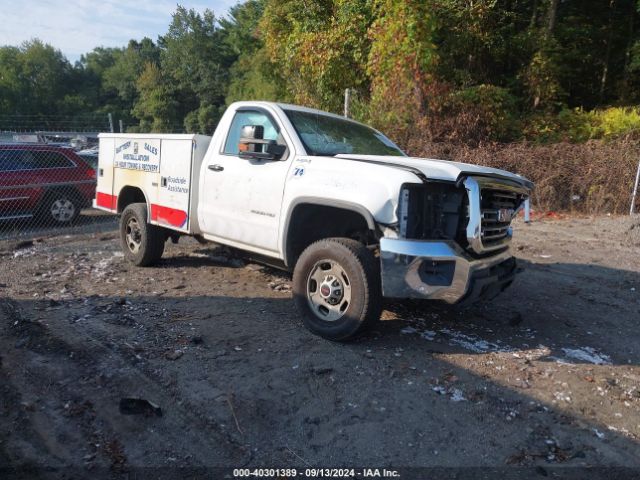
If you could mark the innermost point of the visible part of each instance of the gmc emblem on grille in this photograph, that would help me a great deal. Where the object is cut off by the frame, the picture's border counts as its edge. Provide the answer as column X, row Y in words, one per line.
column 505, row 214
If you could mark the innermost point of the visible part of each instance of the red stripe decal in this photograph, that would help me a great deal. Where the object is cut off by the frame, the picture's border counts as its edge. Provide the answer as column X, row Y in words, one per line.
column 106, row 201
column 171, row 216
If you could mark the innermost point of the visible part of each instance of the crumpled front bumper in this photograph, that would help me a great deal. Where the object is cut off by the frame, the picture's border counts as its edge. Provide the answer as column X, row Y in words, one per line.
column 441, row 270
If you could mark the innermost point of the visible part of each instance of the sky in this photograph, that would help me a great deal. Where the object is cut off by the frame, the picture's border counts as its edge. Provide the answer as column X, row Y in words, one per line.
column 78, row 26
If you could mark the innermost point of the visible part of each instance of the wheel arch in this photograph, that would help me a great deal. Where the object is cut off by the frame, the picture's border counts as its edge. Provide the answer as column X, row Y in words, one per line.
column 130, row 194
column 294, row 240
column 57, row 189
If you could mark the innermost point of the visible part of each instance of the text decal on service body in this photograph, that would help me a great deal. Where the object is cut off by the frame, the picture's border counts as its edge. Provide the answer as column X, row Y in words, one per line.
column 143, row 154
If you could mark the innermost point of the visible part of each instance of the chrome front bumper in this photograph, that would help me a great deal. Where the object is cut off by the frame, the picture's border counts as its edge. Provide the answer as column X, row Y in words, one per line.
column 441, row 270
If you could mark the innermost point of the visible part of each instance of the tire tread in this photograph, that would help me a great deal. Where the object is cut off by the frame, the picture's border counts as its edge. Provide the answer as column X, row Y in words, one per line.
column 154, row 239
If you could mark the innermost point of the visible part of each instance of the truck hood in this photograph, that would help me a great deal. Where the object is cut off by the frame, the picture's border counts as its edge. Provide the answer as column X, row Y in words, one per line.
column 440, row 169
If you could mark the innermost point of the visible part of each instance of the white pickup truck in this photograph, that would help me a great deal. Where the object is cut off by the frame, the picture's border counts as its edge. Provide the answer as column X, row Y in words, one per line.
column 328, row 198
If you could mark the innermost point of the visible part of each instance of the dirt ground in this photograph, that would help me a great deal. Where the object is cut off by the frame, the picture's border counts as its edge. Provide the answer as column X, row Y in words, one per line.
column 545, row 376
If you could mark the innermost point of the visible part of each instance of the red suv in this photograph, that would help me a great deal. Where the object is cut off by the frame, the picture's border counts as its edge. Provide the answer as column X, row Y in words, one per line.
column 48, row 181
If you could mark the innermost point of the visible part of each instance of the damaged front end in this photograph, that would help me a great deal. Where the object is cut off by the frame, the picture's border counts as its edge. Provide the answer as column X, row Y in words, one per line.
column 452, row 240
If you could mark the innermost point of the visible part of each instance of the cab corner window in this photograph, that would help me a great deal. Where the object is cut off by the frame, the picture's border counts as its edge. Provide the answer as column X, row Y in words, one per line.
column 244, row 118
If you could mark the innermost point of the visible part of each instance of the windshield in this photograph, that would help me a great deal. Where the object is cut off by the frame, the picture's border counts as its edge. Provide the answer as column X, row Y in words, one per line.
column 323, row 135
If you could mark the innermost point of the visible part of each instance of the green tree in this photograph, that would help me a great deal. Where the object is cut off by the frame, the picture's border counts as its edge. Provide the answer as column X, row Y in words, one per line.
column 400, row 63
column 11, row 87
column 36, row 82
column 195, row 58
column 43, row 78
column 448, row 69
column 89, row 80
column 319, row 48
column 119, row 79
column 156, row 106
column 252, row 76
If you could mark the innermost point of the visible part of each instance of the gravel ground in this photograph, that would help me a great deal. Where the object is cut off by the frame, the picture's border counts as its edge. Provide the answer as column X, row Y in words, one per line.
column 544, row 377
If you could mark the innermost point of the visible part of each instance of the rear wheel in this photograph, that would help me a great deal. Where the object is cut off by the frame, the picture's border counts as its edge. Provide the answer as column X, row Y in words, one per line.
column 142, row 243
column 336, row 287
column 60, row 208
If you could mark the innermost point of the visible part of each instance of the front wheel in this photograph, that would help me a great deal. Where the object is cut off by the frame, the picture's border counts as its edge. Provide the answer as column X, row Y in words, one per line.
column 336, row 288
column 142, row 243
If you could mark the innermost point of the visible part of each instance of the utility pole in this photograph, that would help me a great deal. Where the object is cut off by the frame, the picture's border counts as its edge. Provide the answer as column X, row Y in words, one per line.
column 347, row 100
column 110, row 123
column 121, row 129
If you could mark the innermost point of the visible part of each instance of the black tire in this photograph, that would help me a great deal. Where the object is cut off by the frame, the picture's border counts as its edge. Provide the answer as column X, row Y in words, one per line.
column 60, row 208
column 362, row 279
column 142, row 243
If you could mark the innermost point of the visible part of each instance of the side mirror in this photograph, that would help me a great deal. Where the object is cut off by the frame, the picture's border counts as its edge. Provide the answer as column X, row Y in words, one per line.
column 275, row 149
column 253, row 146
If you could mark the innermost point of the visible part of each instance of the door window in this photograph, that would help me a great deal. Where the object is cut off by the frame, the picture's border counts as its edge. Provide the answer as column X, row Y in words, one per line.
column 43, row 159
column 19, row 160
column 243, row 118
column 15, row 160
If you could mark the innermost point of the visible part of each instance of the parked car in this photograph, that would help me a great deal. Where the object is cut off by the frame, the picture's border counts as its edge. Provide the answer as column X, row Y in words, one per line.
column 43, row 180
column 89, row 156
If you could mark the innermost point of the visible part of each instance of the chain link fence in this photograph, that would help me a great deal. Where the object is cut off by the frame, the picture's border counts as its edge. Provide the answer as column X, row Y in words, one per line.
column 48, row 182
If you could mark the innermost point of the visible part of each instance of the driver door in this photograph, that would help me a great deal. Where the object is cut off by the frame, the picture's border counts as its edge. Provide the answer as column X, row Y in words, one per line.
column 241, row 199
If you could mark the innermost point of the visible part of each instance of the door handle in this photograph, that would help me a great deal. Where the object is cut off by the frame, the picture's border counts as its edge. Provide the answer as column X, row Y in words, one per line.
column 216, row 168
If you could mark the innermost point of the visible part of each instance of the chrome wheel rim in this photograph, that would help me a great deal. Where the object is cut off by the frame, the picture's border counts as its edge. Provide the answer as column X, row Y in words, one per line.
column 328, row 290
column 133, row 235
column 62, row 210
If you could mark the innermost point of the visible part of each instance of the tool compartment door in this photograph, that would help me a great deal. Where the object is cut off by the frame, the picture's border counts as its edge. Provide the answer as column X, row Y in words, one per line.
column 136, row 164
column 174, row 189
column 105, row 198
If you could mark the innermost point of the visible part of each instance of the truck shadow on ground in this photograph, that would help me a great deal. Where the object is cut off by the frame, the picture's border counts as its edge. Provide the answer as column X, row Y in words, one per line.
column 217, row 256
column 578, row 312
column 587, row 312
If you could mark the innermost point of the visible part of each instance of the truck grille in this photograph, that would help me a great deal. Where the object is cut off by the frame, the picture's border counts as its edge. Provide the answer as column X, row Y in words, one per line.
column 493, row 203
column 497, row 209
column 477, row 216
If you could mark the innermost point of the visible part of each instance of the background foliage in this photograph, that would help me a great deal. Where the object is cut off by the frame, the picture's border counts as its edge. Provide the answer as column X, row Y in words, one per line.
column 437, row 76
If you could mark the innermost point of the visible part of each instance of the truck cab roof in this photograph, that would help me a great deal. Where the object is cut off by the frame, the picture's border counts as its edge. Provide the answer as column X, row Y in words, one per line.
column 288, row 106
